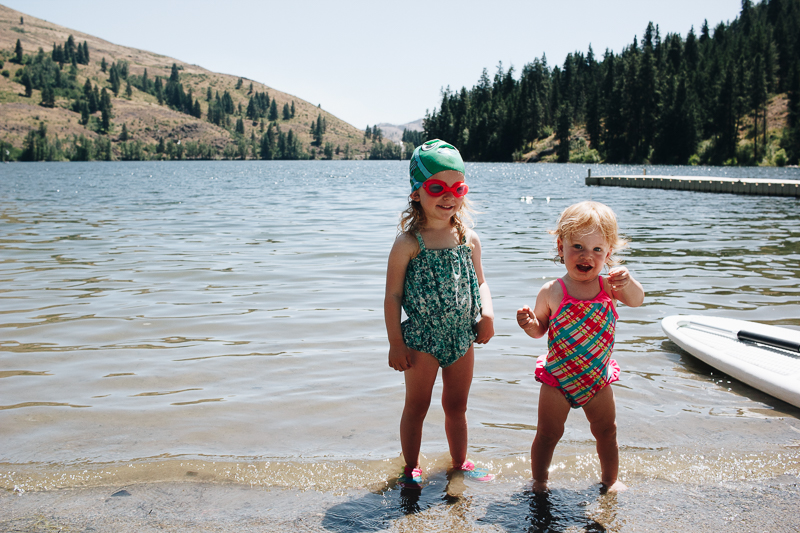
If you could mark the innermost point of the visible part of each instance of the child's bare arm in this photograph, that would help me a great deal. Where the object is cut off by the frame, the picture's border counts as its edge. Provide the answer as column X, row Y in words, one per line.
column 625, row 288
column 536, row 321
column 403, row 249
column 485, row 327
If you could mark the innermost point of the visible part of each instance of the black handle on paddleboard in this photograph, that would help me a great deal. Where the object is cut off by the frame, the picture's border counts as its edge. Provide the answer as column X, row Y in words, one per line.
column 769, row 341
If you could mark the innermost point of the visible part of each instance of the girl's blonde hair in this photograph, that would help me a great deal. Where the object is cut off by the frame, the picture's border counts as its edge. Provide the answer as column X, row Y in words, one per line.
column 582, row 218
column 413, row 218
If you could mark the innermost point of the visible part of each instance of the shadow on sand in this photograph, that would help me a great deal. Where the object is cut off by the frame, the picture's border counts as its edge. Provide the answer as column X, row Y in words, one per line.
column 556, row 511
column 376, row 510
column 525, row 512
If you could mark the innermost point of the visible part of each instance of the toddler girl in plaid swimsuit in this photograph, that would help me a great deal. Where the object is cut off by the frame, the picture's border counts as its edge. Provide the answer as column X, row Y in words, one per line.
column 578, row 312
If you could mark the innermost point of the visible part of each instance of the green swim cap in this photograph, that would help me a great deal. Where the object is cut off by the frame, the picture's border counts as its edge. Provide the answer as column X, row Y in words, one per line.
column 432, row 157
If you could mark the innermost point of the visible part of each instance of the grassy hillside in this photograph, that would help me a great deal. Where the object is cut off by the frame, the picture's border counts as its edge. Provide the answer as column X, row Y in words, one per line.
column 147, row 122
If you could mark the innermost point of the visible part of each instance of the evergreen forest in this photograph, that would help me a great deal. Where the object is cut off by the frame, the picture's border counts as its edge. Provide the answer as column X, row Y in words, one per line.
column 723, row 96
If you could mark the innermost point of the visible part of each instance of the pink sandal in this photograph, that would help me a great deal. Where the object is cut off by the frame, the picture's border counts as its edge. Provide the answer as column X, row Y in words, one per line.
column 478, row 474
column 411, row 478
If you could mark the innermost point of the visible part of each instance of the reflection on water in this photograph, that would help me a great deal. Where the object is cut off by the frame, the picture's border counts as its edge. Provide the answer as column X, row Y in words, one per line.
column 229, row 314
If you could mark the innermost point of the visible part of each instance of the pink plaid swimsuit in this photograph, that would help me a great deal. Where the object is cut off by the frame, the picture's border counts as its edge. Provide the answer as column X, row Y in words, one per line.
column 580, row 340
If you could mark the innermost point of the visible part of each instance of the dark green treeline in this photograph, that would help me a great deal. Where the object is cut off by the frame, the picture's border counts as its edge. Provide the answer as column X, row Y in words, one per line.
column 666, row 99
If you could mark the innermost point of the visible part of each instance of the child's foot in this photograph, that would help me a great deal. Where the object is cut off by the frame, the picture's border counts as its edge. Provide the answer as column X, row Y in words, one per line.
column 540, row 487
column 617, row 486
column 411, row 478
column 470, row 470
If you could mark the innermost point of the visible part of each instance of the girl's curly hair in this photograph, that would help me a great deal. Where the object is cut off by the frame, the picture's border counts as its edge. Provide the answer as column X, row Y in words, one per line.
column 582, row 218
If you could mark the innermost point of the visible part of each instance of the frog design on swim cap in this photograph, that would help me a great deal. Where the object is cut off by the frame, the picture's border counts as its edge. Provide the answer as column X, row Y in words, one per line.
column 432, row 157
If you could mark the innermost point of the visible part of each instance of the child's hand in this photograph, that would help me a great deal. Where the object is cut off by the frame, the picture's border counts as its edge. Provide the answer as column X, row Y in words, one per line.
column 619, row 278
column 484, row 329
column 526, row 318
column 399, row 358
column 625, row 288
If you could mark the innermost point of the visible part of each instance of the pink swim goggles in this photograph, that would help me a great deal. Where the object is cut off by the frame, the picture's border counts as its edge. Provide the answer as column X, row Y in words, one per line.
column 438, row 188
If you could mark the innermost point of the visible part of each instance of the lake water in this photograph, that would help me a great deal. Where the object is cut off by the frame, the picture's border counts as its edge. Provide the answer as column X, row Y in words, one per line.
column 223, row 322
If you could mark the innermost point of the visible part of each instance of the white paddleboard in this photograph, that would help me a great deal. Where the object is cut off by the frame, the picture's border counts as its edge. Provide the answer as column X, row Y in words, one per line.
column 769, row 363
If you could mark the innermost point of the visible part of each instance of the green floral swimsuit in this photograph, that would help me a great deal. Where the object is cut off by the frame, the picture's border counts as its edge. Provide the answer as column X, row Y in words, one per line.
column 442, row 302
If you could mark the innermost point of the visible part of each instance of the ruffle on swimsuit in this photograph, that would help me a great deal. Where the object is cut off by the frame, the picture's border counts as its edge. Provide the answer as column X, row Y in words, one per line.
column 442, row 301
column 580, row 341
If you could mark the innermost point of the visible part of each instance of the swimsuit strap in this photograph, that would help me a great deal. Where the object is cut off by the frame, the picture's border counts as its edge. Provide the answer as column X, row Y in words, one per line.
column 420, row 241
column 563, row 288
column 602, row 295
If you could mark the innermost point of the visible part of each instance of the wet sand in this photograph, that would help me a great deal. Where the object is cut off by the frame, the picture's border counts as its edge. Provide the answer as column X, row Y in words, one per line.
column 650, row 505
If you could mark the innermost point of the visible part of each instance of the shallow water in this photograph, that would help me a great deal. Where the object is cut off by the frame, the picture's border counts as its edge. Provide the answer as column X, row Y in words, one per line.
column 222, row 321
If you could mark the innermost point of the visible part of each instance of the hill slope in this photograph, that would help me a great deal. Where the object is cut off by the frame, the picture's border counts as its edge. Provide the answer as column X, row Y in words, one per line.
column 147, row 122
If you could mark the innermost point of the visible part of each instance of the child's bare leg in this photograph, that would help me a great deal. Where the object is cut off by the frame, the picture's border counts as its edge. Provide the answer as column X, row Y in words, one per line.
column 419, row 386
column 553, row 412
column 456, row 380
column 601, row 412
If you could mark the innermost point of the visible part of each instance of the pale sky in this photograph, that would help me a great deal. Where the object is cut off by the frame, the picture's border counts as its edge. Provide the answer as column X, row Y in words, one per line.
column 369, row 62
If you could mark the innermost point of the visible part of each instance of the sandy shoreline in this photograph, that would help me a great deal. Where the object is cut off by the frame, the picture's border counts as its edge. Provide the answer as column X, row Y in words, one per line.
column 649, row 505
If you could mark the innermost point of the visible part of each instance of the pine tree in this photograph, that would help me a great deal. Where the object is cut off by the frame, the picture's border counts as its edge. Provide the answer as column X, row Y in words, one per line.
column 287, row 114
column 18, row 56
column 128, row 90
column 84, row 109
column 159, row 90
column 48, row 96
column 105, row 120
column 113, row 79
column 293, row 109
column 273, row 111
column 318, row 131
column 69, row 50
column 27, row 82
column 758, row 98
column 252, row 112
column 267, row 150
column 79, row 54
column 563, row 133
column 124, row 135
column 145, row 82
column 103, row 65
column 790, row 141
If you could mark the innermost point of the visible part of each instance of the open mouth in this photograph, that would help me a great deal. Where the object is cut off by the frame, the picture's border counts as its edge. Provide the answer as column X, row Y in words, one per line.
column 584, row 268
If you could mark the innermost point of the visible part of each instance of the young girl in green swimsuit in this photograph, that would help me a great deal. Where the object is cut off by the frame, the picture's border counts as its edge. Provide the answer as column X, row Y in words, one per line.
column 435, row 274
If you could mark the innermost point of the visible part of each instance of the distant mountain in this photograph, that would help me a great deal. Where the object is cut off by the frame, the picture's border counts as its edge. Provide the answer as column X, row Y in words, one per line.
column 395, row 133
column 155, row 107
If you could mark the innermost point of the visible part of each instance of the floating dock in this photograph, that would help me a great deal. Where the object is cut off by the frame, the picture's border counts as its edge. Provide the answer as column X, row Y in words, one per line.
column 754, row 186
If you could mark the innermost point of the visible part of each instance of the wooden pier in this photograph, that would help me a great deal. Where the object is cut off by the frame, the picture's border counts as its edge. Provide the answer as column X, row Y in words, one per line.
column 754, row 186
